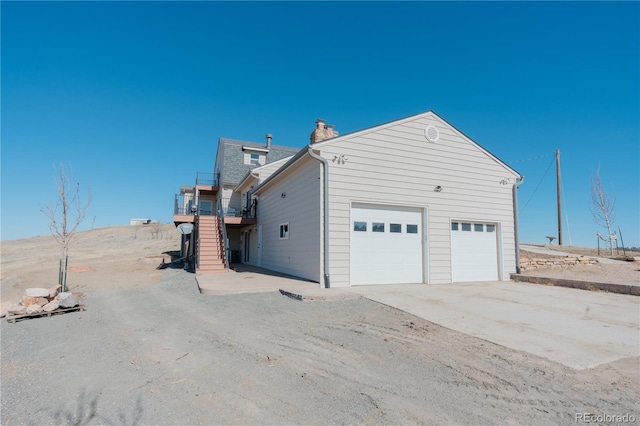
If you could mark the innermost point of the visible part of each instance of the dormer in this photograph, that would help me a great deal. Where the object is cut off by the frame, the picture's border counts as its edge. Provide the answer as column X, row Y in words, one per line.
column 255, row 156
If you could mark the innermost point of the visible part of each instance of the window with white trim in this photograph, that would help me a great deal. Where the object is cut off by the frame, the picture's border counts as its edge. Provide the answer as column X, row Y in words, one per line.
column 254, row 159
column 284, row 231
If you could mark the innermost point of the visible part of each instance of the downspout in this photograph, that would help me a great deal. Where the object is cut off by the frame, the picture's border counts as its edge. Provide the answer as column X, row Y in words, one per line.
column 325, row 168
column 514, row 189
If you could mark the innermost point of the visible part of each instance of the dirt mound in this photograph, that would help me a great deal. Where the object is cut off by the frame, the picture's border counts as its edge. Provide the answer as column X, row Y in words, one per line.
column 99, row 259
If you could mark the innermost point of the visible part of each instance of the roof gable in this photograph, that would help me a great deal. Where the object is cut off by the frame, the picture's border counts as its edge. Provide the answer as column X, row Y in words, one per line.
column 428, row 114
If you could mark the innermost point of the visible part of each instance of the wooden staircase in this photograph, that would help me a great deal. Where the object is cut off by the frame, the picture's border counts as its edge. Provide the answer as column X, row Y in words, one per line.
column 210, row 246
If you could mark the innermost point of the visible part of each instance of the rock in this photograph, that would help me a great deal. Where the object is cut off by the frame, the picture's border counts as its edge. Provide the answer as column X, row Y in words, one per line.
column 4, row 308
column 40, row 301
column 34, row 309
column 51, row 306
column 36, row 292
column 53, row 291
column 17, row 309
column 27, row 300
column 67, row 300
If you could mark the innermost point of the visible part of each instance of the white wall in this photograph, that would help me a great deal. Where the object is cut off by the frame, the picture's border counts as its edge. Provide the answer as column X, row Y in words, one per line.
column 300, row 255
column 397, row 165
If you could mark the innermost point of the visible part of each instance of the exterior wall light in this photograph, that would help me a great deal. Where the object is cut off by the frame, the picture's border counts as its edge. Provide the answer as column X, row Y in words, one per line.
column 437, row 189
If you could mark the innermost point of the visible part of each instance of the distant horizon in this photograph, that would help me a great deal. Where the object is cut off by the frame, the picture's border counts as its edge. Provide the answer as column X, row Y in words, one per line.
column 84, row 231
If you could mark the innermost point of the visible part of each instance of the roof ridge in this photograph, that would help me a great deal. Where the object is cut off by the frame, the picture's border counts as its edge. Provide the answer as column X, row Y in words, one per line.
column 230, row 141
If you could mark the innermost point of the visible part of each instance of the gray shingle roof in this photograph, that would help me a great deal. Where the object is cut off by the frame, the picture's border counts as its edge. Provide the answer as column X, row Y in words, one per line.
column 233, row 167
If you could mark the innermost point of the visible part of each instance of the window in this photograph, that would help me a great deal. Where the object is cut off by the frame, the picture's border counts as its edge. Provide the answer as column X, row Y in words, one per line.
column 478, row 227
column 254, row 158
column 454, row 226
column 412, row 229
column 491, row 228
column 395, row 228
column 466, row 227
column 377, row 227
column 284, row 231
column 360, row 226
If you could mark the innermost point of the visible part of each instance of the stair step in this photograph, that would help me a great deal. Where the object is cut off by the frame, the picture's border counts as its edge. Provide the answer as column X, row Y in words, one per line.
column 212, row 268
column 210, row 243
column 211, row 260
column 209, row 221
column 203, row 272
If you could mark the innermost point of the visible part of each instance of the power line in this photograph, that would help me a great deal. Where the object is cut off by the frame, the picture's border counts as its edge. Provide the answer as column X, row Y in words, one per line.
column 537, row 157
column 539, row 183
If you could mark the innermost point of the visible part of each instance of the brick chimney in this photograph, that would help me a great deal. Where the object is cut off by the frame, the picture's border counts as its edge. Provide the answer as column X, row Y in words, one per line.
column 321, row 133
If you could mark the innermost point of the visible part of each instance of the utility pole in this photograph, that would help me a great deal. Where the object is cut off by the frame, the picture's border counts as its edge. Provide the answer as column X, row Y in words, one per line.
column 559, row 185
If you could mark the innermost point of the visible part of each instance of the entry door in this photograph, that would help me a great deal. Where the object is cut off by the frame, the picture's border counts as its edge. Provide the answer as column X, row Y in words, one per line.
column 247, row 247
column 206, row 207
column 386, row 245
column 259, row 246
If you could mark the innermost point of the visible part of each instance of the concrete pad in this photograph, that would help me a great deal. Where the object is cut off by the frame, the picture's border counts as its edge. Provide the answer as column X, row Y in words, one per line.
column 249, row 279
column 580, row 329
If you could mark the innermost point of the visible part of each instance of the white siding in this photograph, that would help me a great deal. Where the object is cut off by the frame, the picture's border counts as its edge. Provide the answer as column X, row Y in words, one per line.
column 230, row 198
column 396, row 165
column 267, row 170
column 300, row 255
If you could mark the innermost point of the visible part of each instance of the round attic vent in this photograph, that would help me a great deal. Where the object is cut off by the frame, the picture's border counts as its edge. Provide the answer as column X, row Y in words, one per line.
column 431, row 133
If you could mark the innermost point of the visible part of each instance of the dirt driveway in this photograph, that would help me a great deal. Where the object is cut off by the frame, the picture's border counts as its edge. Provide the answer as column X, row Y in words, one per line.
column 167, row 355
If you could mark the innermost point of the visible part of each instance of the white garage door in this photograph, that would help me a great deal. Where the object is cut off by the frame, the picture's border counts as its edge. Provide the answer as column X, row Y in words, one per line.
column 474, row 251
column 386, row 245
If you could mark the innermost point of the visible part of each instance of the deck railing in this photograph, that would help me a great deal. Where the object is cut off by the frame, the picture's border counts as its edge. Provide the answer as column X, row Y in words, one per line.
column 206, row 179
column 184, row 205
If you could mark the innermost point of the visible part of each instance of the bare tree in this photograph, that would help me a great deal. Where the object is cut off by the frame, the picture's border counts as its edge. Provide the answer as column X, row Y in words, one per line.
column 65, row 215
column 602, row 208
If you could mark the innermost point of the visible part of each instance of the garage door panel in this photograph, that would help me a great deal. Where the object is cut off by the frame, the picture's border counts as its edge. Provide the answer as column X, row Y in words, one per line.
column 385, row 257
column 474, row 252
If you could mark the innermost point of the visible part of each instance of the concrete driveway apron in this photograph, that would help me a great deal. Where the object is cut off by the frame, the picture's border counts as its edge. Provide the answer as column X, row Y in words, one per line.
column 577, row 328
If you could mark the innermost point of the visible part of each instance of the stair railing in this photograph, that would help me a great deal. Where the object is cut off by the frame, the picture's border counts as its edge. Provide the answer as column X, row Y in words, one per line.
column 196, row 242
column 224, row 233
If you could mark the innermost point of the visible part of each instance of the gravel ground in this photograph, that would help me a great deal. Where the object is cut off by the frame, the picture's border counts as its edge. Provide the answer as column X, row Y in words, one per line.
column 167, row 355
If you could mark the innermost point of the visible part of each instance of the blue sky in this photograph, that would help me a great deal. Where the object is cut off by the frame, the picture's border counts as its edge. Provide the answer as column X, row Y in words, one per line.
column 127, row 92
